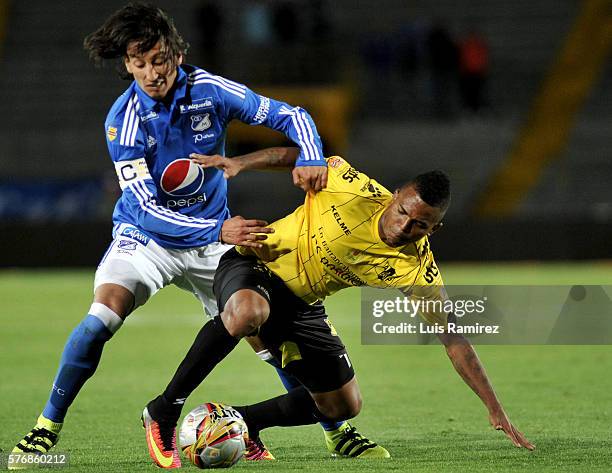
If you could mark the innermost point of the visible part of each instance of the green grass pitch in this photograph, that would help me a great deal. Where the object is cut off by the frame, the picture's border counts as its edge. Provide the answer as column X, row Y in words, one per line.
column 414, row 402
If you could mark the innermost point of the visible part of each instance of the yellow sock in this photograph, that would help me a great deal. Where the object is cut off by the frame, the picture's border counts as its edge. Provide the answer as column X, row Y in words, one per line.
column 48, row 424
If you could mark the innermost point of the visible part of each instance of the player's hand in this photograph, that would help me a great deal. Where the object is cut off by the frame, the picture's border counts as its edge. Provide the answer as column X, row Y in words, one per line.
column 310, row 178
column 239, row 231
column 230, row 167
column 499, row 421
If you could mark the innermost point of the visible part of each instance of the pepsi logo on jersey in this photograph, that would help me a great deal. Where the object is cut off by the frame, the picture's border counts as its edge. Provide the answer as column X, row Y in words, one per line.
column 182, row 178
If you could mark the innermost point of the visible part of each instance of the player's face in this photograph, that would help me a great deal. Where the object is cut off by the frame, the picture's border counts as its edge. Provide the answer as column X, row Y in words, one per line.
column 154, row 70
column 408, row 219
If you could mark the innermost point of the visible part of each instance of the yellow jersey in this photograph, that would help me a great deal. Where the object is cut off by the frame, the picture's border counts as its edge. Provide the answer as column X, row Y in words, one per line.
column 332, row 242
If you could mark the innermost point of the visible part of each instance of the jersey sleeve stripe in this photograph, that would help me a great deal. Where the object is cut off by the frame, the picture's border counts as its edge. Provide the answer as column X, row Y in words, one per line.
column 300, row 122
column 301, row 134
column 176, row 215
column 231, row 84
column 132, row 141
column 126, row 121
column 300, row 138
column 147, row 202
column 130, row 123
column 285, row 111
column 310, row 136
column 201, row 74
column 151, row 208
column 219, row 84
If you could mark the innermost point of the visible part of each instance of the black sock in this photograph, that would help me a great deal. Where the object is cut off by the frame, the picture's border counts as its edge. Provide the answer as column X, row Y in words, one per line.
column 294, row 408
column 212, row 344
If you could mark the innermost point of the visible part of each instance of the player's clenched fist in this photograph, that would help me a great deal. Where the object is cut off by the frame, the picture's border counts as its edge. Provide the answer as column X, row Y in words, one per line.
column 239, row 231
column 310, row 178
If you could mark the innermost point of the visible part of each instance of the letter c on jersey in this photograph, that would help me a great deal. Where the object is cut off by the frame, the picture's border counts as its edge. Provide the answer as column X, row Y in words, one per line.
column 128, row 172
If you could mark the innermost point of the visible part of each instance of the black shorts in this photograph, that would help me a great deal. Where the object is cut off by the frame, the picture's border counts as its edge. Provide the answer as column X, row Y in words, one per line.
column 298, row 334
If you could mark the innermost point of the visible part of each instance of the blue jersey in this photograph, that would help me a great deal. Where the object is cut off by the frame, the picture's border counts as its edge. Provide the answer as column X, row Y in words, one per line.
column 164, row 194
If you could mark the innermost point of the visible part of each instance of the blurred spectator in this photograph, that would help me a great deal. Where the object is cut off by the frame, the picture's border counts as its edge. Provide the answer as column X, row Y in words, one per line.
column 321, row 28
column 209, row 22
column 411, row 40
column 473, row 70
column 257, row 23
column 378, row 54
column 285, row 23
column 321, row 51
column 443, row 62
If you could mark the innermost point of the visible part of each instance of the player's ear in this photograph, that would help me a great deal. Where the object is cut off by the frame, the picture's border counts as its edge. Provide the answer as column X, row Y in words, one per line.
column 128, row 66
column 179, row 61
column 396, row 194
column 435, row 228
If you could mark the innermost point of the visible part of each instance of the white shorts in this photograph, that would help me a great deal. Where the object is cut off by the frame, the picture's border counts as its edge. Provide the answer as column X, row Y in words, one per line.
column 137, row 263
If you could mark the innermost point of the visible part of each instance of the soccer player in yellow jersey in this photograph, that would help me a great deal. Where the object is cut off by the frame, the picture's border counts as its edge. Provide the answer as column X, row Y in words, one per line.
column 352, row 233
column 343, row 237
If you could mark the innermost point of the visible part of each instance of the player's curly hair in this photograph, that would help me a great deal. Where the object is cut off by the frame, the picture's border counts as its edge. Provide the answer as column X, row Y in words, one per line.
column 433, row 187
column 139, row 22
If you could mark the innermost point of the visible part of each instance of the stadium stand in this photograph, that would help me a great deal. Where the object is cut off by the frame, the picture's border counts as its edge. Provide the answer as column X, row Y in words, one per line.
column 55, row 100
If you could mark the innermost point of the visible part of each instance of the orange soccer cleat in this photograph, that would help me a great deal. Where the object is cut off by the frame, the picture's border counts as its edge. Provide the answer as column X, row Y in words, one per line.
column 256, row 450
column 161, row 440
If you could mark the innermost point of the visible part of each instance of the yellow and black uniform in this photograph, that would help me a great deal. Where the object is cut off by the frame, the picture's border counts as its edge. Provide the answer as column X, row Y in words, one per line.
column 329, row 243
column 332, row 242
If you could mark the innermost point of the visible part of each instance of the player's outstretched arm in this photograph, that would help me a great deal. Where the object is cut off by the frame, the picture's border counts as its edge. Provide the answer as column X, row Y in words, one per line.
column 306, row 178
column 265, row 159
column 467, row 364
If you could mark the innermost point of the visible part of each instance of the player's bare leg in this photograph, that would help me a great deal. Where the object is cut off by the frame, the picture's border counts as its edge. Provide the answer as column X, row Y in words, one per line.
column 336, row 406
column 345, row 403
column 300, row 407
column 116, row 297
column 341, row 404
column 245, row 311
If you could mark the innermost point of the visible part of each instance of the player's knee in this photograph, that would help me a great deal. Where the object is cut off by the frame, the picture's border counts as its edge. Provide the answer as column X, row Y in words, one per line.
column 341, row 409
column 245, row 313
column 340, row 412
column 352, row 407
column 117, row 298
column 355, row 407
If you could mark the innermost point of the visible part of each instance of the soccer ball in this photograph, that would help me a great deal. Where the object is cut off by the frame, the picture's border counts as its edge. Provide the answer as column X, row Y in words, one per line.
column 213, row 435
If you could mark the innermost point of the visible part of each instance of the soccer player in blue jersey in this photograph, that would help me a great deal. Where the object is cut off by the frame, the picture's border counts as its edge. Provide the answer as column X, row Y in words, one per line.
column 171, row 223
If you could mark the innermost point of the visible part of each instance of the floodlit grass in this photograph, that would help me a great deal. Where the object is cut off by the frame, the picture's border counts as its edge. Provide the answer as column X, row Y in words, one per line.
column 414, row 402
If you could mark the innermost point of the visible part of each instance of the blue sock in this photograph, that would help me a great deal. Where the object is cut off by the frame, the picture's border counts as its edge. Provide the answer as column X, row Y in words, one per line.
column 291, row 382
column 79, row 361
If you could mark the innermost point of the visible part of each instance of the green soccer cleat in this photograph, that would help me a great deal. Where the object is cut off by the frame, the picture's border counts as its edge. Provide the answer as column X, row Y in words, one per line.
column 347, row 442
column 39, row 440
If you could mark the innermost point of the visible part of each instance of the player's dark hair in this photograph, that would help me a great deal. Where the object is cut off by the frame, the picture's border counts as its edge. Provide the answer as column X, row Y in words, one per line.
column 433, row 187
column 139, row 22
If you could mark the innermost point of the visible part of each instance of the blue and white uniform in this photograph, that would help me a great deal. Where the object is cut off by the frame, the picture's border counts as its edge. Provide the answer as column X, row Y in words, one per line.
column 165, row 195
column 168, row 218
